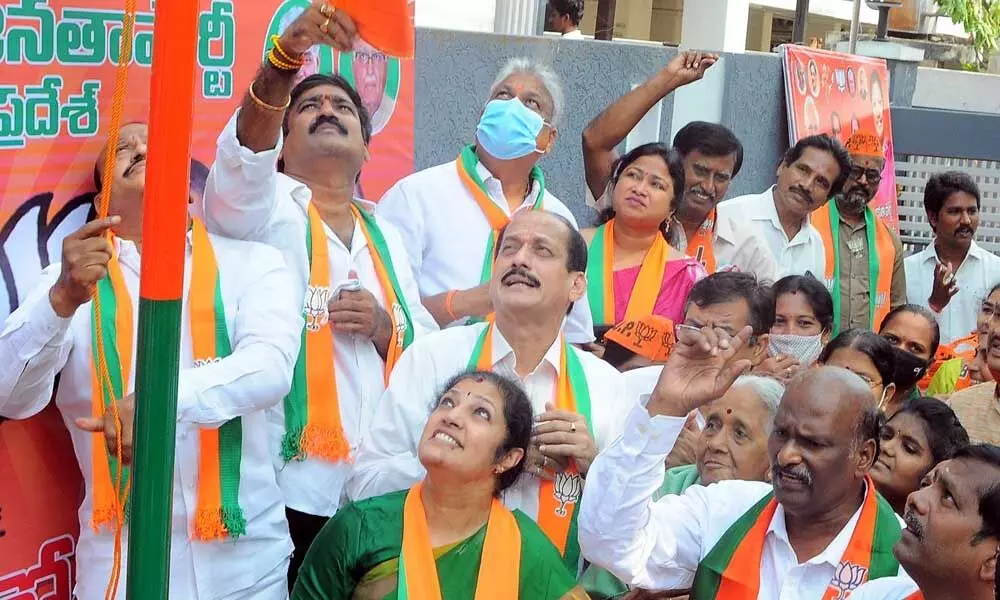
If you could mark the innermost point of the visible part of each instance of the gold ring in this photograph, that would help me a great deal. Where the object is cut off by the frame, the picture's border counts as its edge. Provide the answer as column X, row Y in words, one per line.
column 326, row 9
column 572, row 427
column 325, row 27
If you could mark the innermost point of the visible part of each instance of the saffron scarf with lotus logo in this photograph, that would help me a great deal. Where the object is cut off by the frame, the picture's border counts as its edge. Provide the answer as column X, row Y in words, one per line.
column 731, row 570
column 558, row 499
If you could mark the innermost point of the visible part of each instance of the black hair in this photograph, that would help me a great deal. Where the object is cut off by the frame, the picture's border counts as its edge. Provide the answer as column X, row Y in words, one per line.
column 869, row 428
column 576, row 246
column 675, row 168
column 945, row 434
column 916, row 309
column 518, row 417
column 815, row 293
column 941, row 186
column 712, row 140
column 728, row 286
column 571, row 8
column 876, row 348
column 989, row 494
column 615, row 354
column 823, row 143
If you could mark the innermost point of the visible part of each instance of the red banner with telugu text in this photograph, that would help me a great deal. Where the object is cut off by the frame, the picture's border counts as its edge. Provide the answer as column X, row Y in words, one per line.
column 58, row 58
column 841, row 94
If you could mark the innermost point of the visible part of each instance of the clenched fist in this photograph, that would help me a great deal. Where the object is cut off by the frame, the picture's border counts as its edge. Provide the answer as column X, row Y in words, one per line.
column 85, row 256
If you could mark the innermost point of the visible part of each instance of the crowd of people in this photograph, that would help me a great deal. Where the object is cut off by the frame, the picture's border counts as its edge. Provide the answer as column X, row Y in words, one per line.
column 460, row 393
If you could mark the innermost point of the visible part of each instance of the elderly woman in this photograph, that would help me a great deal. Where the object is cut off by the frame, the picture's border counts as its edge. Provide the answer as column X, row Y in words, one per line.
column 921, row 434
column 449, row 535
column 732, row 445
column 631, row 269
column 868, row 356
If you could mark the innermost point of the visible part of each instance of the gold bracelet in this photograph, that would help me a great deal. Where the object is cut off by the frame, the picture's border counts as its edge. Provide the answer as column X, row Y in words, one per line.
column 265, row 105
column 284, row 55
column 279, row 64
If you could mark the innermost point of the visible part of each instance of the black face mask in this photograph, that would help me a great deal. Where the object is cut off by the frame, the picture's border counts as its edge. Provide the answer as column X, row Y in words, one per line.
column 909, row 369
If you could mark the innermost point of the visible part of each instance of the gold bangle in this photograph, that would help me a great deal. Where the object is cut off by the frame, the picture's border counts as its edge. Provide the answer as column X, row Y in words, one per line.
column 284, row 55
column 279, row 64
column 265, row 105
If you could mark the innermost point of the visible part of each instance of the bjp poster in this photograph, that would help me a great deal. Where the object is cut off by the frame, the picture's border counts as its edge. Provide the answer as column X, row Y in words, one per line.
column 840, row 95
column 58, row 62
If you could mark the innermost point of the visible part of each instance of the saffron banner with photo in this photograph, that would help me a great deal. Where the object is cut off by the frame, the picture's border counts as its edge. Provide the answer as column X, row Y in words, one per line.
column 840, row 95
column 58, row 62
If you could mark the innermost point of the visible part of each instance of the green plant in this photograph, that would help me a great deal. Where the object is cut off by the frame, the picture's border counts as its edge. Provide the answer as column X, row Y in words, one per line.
column 981, row 19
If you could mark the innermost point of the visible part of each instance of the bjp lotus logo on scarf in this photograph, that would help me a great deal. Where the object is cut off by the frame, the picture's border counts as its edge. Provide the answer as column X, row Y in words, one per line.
column 849, row 576
column 316, row 311
column 399, row 318
column 567, row 489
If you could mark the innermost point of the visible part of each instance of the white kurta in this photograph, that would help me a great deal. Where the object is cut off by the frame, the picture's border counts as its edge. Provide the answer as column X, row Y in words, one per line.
column 658, row 545
column 246, row 198
column 388, row 459
column 445, row 232
column 976, row 276
column 264, row 324
column 797, row 256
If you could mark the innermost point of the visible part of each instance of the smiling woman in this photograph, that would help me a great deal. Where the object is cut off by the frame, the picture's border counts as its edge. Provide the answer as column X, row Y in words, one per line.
column 449, row 536
column 631, row 269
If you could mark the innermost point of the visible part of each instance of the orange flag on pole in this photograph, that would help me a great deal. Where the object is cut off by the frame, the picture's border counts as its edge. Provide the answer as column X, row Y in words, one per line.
column 385, row 24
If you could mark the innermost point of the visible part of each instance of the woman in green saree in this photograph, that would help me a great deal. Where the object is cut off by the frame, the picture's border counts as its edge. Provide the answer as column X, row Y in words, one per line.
column 430, row 542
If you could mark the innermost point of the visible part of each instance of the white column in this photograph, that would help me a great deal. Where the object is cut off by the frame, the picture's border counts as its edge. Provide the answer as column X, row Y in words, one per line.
column 717, row 25
column 517, row 17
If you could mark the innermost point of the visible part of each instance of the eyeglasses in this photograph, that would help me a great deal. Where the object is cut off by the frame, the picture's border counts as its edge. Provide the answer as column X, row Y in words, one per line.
column 871, row 175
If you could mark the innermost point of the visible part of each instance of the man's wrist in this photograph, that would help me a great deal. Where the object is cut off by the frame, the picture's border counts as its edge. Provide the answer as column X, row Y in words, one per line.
column 935, row 307
column 61, row 304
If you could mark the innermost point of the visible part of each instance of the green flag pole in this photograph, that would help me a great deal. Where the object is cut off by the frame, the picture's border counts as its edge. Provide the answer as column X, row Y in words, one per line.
column 165, row 218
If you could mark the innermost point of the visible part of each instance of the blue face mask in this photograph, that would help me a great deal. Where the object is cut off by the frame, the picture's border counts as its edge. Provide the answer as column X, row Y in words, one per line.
column 508, row 129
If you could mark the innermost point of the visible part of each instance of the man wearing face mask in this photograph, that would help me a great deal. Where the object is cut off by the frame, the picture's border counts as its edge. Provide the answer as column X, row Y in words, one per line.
column 953, row 274
column 864, row 257
column 450, row 215
column 820, row 530
column 812, row 171
column 712, row 157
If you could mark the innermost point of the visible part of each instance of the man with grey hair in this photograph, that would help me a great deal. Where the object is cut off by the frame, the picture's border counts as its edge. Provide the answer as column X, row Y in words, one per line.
column 450, row 215
column 818, row 530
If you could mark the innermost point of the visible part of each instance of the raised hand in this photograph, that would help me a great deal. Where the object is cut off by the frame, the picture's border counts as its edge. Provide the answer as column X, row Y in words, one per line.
column 319, row 24
column 945, row 286
column 85, row 256
column 690, row 66
column 701, row 367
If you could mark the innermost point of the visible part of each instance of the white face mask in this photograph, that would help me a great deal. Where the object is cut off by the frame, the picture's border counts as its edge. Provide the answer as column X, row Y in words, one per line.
column 805, row 348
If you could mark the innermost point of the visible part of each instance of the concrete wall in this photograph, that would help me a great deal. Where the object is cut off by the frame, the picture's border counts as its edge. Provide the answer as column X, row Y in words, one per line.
column 957, row 90
column 455, row 70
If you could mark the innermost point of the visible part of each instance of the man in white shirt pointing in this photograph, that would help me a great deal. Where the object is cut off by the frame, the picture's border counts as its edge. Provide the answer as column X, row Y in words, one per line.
column 51, row 333
column 287, row 178
column 820, row 532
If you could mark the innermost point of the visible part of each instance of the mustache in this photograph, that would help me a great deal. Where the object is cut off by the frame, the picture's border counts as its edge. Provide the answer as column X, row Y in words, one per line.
column 135, row 162
column 327, row 120
column 802, row 191
column 913, row 525
column 964, row 229
column 699, row 190
column 521, row 272
column 801, row 474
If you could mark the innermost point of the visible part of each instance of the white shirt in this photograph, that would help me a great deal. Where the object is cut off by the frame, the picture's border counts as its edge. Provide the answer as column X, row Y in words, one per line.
column 976, row 276
column 658, row 545
column 264, row 326
column 888, row 588
column 388, row 459
column 736, row 248
column 576, row 34
column 445, row 232
column 246, row 198
column 803, row 253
